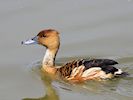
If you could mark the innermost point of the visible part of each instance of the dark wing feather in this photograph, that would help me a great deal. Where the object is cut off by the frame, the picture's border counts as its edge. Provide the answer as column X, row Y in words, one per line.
column 105, row 64
column 99, row 62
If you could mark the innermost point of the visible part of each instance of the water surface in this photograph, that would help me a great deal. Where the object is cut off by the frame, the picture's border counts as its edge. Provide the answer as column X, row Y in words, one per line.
column 89, row 28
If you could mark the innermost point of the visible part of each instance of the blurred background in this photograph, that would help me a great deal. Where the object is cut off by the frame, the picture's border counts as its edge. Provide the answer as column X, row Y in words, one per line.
column 88, row 28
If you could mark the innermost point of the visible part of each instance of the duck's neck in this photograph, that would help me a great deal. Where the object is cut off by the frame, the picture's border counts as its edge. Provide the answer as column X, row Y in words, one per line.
column 49, row 60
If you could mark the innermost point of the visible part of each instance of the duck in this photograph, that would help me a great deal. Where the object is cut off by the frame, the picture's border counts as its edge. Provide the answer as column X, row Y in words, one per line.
column 76, row 70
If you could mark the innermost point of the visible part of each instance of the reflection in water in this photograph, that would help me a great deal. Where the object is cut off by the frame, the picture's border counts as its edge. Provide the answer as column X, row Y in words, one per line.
column 50, row 91
column 114, row 87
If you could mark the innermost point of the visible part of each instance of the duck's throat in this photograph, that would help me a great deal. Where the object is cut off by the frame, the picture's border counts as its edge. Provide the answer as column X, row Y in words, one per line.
column 49, row 58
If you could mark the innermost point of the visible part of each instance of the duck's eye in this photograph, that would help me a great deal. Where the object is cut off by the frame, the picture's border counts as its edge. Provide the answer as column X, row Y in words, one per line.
column 44, row 36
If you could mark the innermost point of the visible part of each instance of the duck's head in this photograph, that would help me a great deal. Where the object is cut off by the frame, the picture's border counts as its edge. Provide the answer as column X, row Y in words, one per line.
column 48, row 38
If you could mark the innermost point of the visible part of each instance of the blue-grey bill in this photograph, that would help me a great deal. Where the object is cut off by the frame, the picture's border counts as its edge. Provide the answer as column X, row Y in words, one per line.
column 30, row 41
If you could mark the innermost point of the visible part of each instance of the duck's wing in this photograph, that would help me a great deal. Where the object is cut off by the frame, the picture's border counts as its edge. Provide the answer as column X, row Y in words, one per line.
column 66, row 69
column 105, row 65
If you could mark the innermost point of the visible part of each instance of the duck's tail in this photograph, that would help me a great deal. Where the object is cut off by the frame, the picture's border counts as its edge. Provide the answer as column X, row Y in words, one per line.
column 120, row 73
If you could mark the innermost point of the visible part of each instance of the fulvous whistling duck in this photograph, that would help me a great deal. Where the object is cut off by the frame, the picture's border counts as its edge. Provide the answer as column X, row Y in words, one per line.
column 77, row 70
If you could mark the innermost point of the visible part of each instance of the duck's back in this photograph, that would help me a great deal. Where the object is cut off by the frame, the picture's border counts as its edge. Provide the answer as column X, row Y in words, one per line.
column 89, row 69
